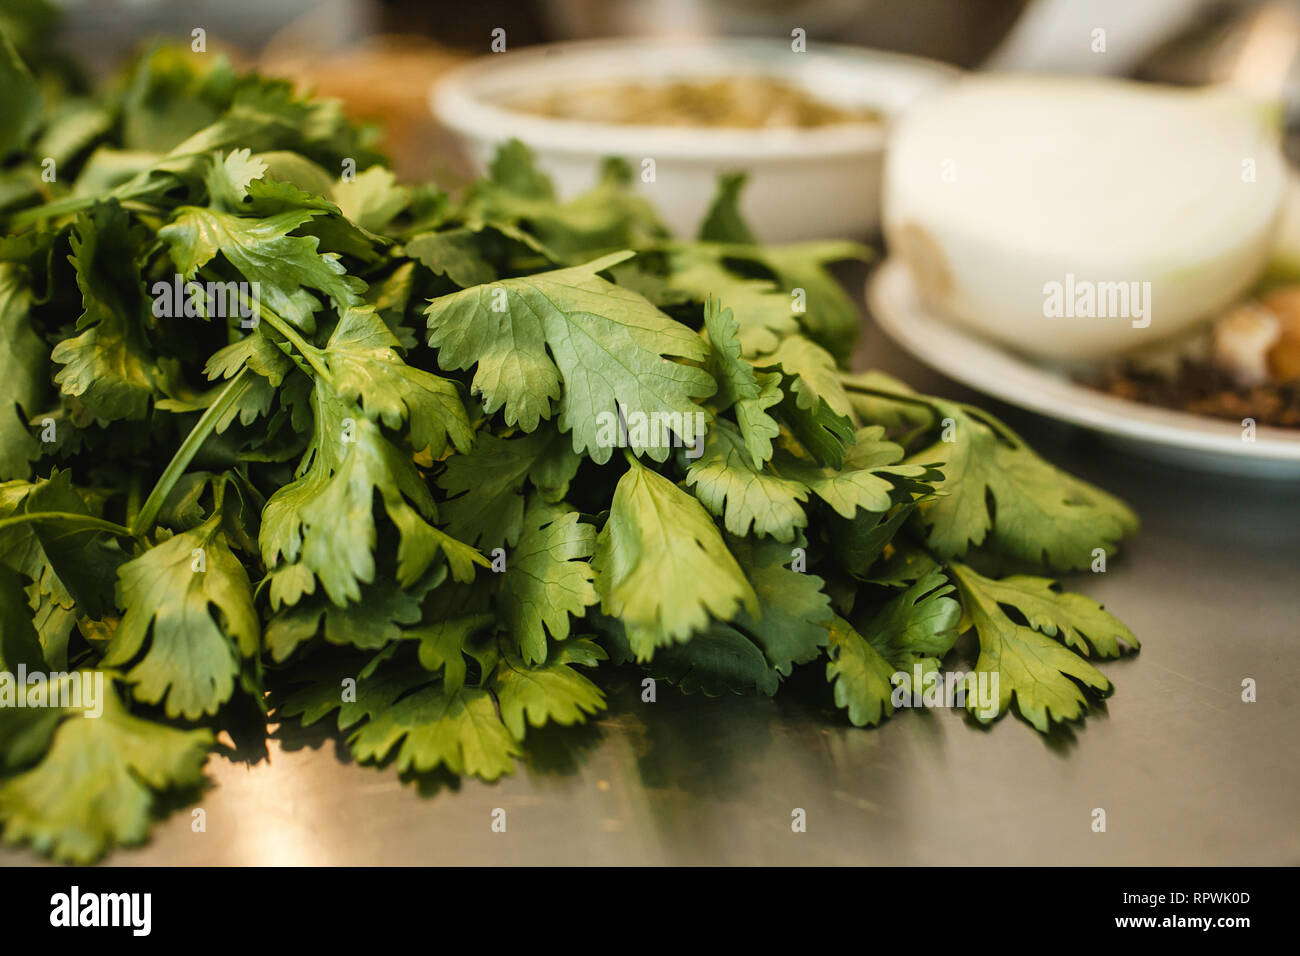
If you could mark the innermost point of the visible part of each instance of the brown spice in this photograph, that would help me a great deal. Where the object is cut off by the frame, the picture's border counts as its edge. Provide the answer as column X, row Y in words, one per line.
column 1200, row 388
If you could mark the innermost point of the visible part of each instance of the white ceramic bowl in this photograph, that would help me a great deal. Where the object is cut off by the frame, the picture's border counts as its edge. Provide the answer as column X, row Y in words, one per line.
column 819, row 182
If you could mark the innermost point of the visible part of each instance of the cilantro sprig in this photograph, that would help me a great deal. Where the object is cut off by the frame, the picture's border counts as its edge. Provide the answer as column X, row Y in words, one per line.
column 470, row 452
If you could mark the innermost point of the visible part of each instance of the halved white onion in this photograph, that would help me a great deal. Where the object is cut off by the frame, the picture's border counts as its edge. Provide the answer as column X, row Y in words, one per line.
column 1073, row 218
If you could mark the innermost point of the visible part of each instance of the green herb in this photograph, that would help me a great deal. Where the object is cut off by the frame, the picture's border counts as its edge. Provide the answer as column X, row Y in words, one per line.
column 460, row 456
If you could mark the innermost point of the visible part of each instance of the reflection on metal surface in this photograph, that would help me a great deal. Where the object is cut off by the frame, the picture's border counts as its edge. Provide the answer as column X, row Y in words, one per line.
column 290, row 825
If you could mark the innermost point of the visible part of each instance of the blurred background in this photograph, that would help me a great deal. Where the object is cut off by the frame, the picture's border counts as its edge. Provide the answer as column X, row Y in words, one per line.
column 380, row 56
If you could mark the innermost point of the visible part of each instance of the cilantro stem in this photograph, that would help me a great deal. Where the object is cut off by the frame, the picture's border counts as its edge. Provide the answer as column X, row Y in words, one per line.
column 71, row 204
column 969, row 597
column 50, row 210
column 308, row 351
column 994, row 423
column 895, row 396
column 148, row 513
column 144, row 208
column 934, row 406
column 90, row 522
column 135, row 187
column 133, row 497
column 305, row 348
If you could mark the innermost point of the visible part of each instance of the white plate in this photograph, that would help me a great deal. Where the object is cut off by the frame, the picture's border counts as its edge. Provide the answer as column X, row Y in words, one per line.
column 1190, row 440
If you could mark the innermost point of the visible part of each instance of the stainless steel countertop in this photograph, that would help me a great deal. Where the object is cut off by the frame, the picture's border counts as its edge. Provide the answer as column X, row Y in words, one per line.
column 1187, row 772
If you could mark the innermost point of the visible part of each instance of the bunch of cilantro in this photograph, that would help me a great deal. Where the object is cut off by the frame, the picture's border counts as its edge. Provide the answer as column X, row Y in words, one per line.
column 389, row 501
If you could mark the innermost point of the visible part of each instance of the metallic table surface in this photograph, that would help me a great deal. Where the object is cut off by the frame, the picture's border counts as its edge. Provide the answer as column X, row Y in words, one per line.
column 1186, row 772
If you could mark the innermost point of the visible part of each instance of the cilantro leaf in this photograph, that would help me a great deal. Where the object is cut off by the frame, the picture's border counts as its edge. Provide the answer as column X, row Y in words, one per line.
column 829, row 317
column 1078, row 621
column 739, row 385
column 866, row 478
column 512, row 169
column 816, row 375
column 336, row 234
column 550, row 692
column 372, row 199
column 444, row 644
column 918, row 624
column 611, row 350
column 371, row 623
column 20, row 108
column 820, row 431
column 662, row 566
column 337, row 683
column 75, row 564
column 363, row 360
column 255, row 351
column 771, row 498
column 399, row 708
column 194, row 656
column 1043, row 515
column 455, row 253
column 110, row 365
column 860, row 676
column 96, row 784
column 23, row 363
column 325, row 518
column 793, row 611
column 488, row 482
column 546, row 579
column 764, row 314
column 723, row 222
column 263, row 251
column 20, row 546
column 228, row 178
column 433, row 727
column 18, row 641
column 518, row 200
column 715, row 661
column 1032, row 668
column 729, row 484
